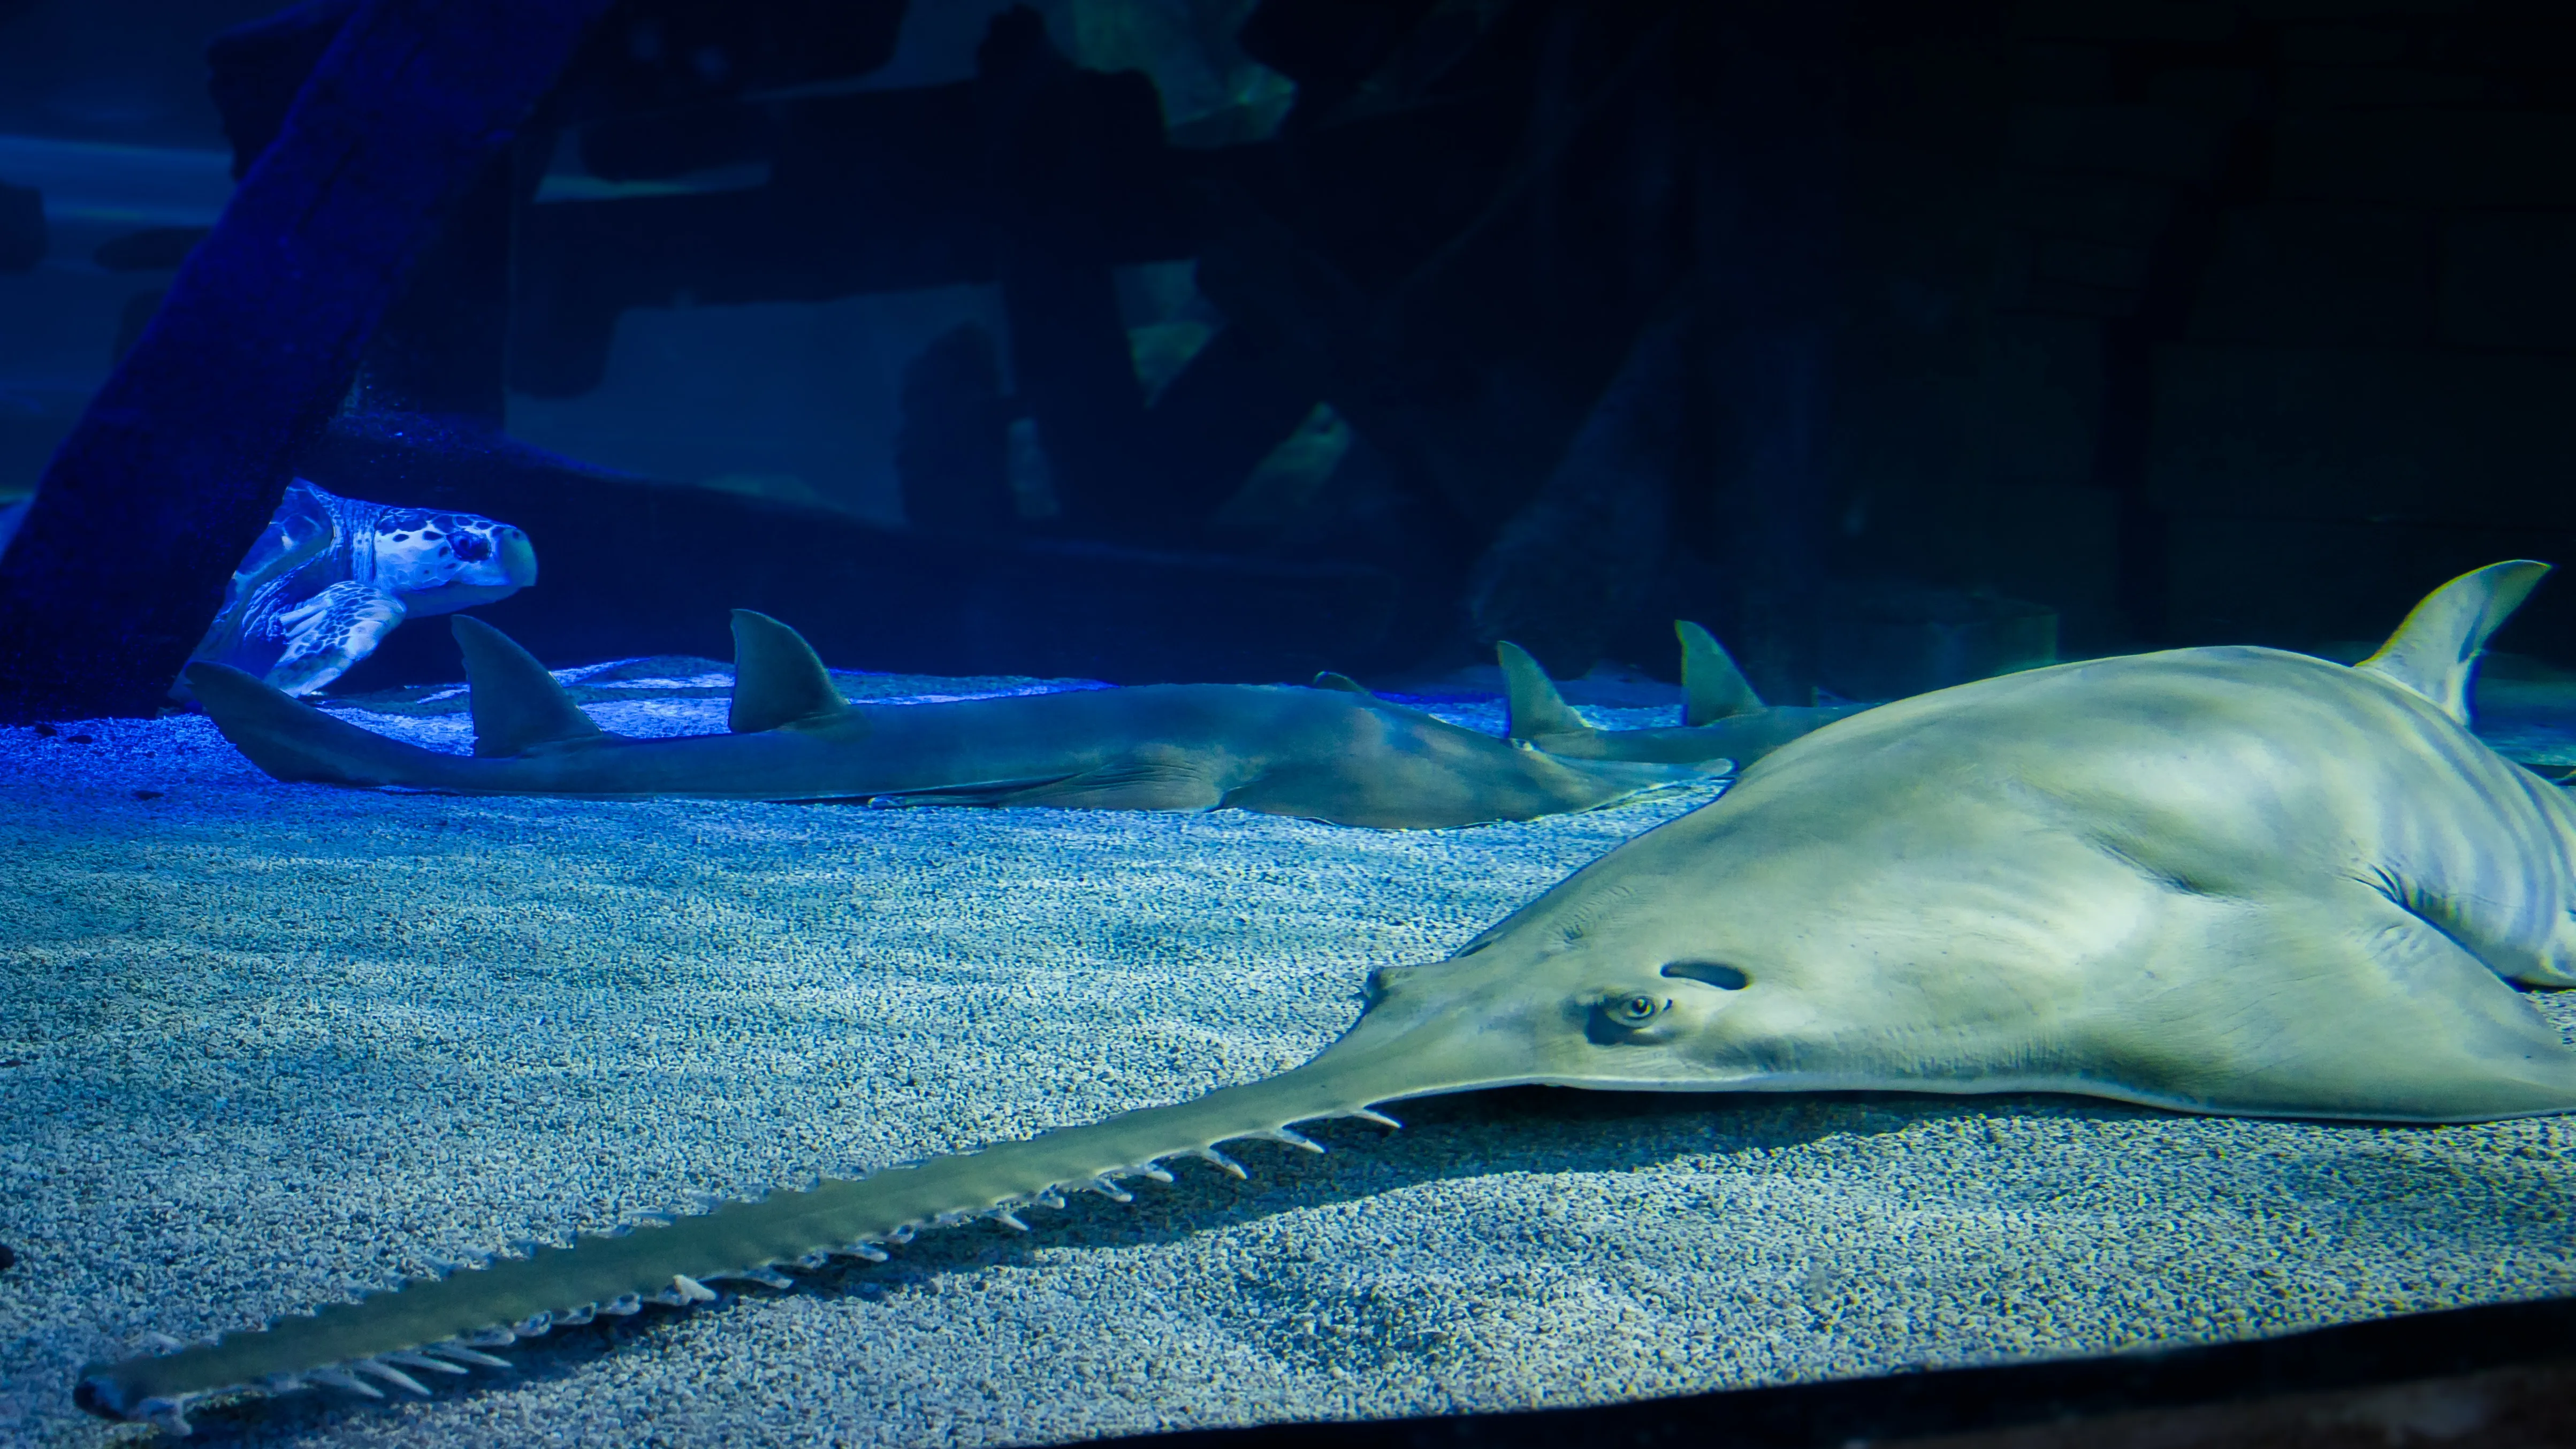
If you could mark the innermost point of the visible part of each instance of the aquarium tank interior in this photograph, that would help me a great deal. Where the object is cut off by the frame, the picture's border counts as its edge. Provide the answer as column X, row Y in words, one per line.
column 1288, row 723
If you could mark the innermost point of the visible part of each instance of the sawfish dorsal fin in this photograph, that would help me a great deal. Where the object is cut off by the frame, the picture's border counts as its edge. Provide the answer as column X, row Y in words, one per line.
column 1712, row 687
column 1533, row 706
column 517, row 705
column 1330, row 679
column 778, row 679
column 2435, row 652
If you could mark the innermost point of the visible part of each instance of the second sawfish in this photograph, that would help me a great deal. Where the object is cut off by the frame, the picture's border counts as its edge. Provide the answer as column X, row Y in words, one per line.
column 1323, row 754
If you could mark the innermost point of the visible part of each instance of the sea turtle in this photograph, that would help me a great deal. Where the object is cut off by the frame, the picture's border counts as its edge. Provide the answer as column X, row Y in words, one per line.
column 330, row 577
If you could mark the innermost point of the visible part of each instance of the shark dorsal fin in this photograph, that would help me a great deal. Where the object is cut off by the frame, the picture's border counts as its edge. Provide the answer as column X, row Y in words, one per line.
column 1534, row 707
column 1712, row 687
column 1329, row 679
column 2436, row 650
column 517, row 705
column 777, row 677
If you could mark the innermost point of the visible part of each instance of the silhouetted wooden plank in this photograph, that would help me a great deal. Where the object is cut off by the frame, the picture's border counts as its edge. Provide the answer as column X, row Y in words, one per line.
column 1049, row 132
column 1213, row 425
column 181, row 457
column 952, row 452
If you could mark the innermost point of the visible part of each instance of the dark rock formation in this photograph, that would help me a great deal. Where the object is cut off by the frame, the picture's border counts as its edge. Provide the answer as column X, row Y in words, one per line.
column 952, row 455
column 22, row 228
column 1574, row 563
column 635, row 566
column 182, row 456
column 153, row 249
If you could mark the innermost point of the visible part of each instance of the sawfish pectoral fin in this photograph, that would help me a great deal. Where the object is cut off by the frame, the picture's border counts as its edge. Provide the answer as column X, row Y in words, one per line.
column 2346, row 1007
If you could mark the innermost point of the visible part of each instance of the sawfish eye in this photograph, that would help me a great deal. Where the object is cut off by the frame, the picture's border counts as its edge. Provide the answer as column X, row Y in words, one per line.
column 1708, row 973
column 1634, row 1010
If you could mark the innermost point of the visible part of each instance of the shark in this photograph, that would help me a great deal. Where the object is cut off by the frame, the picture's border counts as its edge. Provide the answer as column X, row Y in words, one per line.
column 1722, row 716
column 2219, row 880
column 1322, row 754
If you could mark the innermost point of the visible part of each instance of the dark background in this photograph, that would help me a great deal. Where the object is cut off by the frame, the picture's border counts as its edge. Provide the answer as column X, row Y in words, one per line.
column 1866, row 332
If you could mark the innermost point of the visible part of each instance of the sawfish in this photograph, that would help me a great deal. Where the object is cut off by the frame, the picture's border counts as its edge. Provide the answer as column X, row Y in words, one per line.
column 1722, row 716
column 1323, row 754
column 2219, row 880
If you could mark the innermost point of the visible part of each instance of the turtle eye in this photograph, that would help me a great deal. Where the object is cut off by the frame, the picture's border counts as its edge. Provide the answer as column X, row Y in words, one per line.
column 1634, row 1010
column 472, row 548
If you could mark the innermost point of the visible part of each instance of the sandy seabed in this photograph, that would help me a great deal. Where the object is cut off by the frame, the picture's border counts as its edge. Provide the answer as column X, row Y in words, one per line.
column 264, row 1047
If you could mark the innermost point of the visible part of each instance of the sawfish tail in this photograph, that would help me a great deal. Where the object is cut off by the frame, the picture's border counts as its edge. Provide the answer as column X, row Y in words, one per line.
column 444, row 1325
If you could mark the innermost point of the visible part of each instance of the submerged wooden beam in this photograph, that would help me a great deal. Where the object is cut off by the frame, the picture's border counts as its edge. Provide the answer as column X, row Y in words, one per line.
column 182, row 455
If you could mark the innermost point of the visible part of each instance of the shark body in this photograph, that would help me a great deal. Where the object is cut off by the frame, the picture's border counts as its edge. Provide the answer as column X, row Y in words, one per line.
column 1323, row 754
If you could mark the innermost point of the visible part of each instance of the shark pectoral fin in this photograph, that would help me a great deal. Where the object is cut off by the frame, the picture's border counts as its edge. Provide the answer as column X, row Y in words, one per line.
column 971, row 792
column 2436, row 649
column 1145, row 780
column 517, row 704
column 1343, row 682
column 1712, row 687
column 778, row 679
column 1532, row 705
column 1131, row 783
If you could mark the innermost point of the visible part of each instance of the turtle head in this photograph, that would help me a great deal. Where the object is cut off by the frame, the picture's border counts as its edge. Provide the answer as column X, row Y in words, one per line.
column 441, row 562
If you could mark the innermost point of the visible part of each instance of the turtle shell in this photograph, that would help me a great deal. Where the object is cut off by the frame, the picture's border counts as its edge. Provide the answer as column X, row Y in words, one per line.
column 420, row 560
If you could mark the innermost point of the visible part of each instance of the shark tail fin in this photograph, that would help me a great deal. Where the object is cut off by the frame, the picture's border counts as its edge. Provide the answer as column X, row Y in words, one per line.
column 1535, row 708
column 778, row 679
column 517, row 705
column 2435, row 652
column 1712, row 687
column 293, row 741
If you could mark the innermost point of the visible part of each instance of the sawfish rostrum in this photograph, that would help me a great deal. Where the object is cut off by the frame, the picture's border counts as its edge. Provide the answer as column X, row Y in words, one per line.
column 1324, row 754
column 2228, row 880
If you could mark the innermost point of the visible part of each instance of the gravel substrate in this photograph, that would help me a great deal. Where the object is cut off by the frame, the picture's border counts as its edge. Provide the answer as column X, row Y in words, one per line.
column 265, row 1046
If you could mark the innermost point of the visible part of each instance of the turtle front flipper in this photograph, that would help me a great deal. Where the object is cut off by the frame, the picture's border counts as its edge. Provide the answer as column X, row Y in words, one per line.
column 331, row 631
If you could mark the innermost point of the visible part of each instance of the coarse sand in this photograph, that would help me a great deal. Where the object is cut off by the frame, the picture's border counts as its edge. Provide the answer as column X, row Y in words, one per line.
column 263, row 1047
